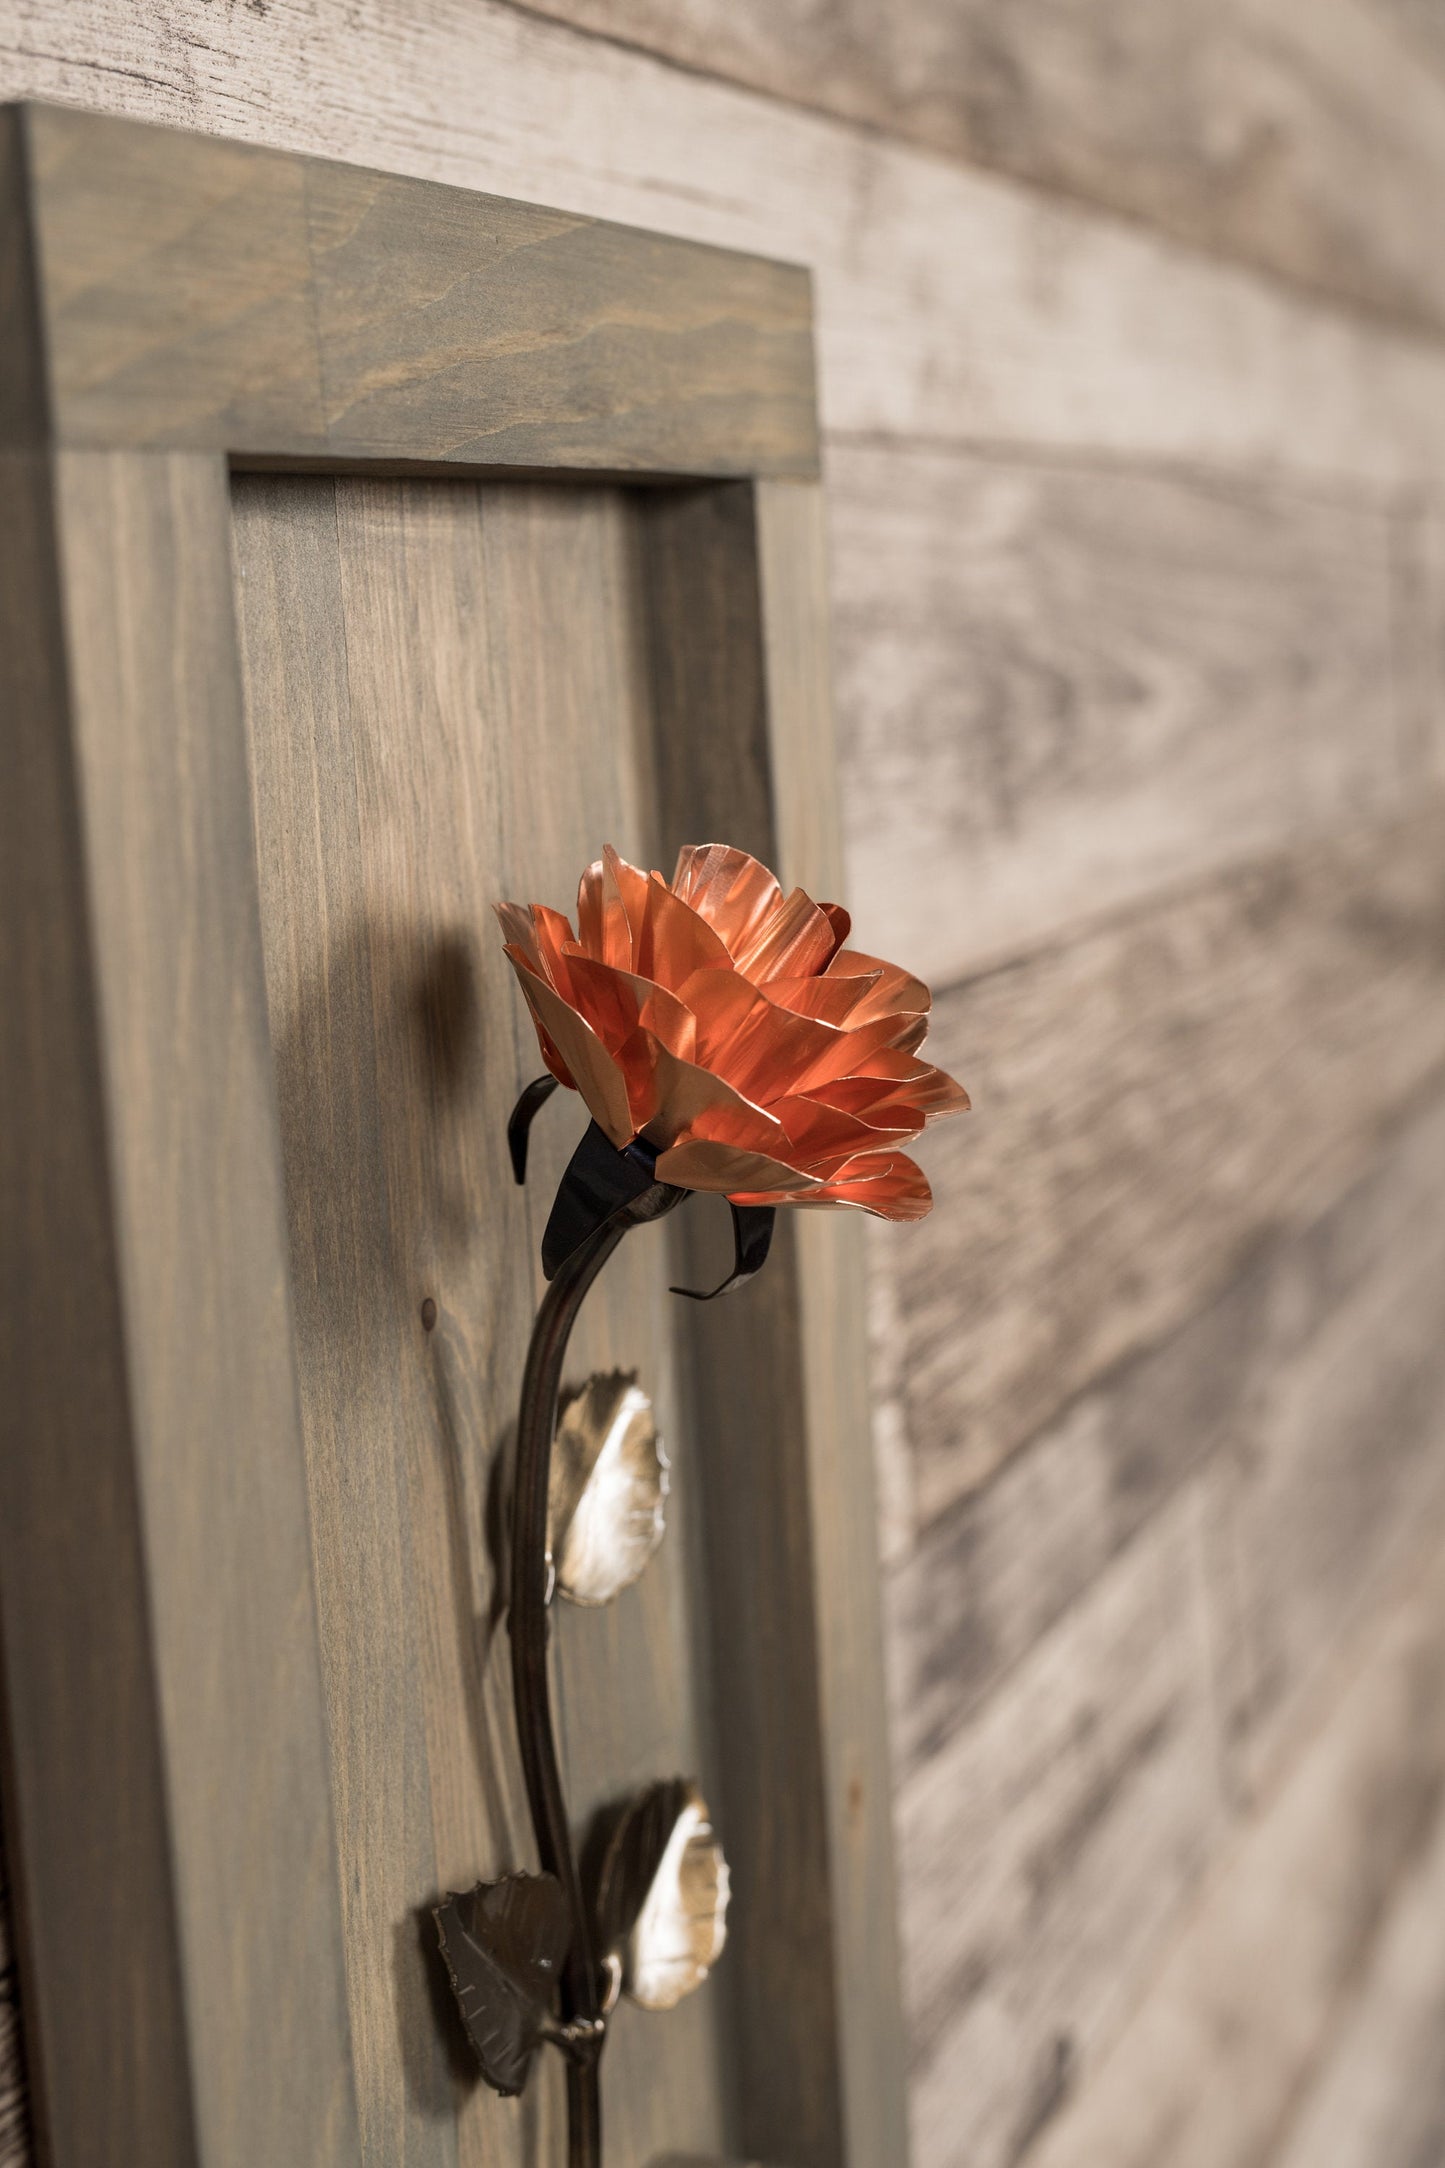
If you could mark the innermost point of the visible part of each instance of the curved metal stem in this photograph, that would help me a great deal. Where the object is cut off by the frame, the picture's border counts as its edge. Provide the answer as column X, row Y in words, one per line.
column 531, row 1694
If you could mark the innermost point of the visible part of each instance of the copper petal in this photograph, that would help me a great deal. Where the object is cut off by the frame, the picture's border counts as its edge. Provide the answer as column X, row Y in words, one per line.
column 616, row 1002
column 831, row 1001
column 675, row 942
column 887, row 1184
column 731, row 890
column 708, row 1163
column 598, row 1077
column 795, row 942
column 692, row 1097
column 894, row 991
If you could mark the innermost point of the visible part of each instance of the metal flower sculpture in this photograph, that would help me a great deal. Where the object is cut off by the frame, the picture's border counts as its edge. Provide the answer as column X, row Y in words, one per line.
column 723, row 1038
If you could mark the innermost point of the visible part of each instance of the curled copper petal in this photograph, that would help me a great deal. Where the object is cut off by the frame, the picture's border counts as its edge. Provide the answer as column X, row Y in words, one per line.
column 934, row 1090
column 550, row 1054
column 831, row 1001
column 728, row 888
column 795, row 942
column 841, row 922
column 708, row 1163
column 817, row 1129
column 675, row 942
column 894, row 992
column 597, row 1076
column 689, row 1097
column 519, row 933
column 602, row 926
column 629, row 884
column 887, row 1184
column 553, row 935
column 744, row 1036
column 616, row 1002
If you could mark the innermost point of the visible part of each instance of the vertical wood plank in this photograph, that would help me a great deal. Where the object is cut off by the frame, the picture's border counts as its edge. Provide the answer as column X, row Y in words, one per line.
column 794, row 588
column 201, row 1261
column 86, row 1810
column 448, row 704
column 738, row 599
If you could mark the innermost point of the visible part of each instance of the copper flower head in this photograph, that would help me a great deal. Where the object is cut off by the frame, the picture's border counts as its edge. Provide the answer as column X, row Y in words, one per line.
column 727, row 1024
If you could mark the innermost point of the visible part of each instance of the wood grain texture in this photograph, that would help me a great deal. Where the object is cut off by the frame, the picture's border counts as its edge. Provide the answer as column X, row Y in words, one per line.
column 170, row 872
column 1207, row 2071
column 147, row 1368
column 483, row 692
column 738, row 629
column 1377, row 2098
column 1316, row 1499
column 1310, row 1396
column 63, row 1360
column 1064, row 688
column 441, row 754
column 1297, row 135
column 950, row 304
column 214, row 295
column 1149, row 1101
column 1045, row 1849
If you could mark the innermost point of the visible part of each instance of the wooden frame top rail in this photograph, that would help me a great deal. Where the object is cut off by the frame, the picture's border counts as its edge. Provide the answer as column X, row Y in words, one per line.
column 206, row 295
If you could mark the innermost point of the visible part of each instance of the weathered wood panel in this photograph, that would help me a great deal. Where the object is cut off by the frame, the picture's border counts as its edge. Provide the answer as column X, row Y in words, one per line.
column 1377, row 2099
column 217, row 295
column 407, row 706
column 1205, row 2074
column 950, row 304
column 1340, row 1453
column 1298, row 135
column 1043, row 1850
column 738, row 629
column 1061, row 688
column 1314, row 1386
column 1149, row 1101
column 147, row 1362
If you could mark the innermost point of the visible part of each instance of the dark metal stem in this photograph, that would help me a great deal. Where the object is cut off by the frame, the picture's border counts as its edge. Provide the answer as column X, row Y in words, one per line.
column 531, row 1694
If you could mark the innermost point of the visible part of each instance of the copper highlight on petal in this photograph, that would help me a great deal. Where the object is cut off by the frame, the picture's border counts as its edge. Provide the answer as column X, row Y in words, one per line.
column 728, row 1021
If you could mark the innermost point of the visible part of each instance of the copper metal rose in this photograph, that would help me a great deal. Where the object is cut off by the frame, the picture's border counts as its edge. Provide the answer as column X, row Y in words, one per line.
column 727, row 1025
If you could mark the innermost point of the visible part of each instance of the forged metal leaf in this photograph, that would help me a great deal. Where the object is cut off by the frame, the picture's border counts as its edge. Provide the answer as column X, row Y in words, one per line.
column 606, row 1500
column 662, row 1895
column 504, row 1944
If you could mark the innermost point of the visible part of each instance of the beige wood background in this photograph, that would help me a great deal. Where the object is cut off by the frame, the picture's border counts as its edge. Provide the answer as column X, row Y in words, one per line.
column 1130, row 320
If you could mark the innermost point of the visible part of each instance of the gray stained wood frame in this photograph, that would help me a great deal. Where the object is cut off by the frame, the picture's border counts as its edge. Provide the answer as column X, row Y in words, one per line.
column 175, row 307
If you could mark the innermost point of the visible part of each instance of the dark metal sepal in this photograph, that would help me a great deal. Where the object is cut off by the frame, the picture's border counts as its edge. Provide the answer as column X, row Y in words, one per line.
column 504, row 1944
column 752, row 1239
column 523, row 1114
column 600, row 1183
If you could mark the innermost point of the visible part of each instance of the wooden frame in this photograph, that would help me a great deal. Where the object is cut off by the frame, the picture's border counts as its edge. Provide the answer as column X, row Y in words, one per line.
column 173, row 306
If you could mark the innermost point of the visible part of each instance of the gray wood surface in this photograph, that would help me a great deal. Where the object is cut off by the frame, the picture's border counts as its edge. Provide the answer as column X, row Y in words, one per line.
column 161, row 1622
column 1270, row 1957
column 1048, row 1846
column 1118, row 1645
column 417, row 750
column 1063, row 688
column 739, row 629
column 1149, row 1101
column 1312, row 1390
column 1040, row 323
column 208, row 294
column 1297, row 135
column 1378, row 2101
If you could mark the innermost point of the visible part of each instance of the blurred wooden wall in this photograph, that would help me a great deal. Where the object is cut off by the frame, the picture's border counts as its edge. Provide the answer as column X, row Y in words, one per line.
column 1131, row 322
